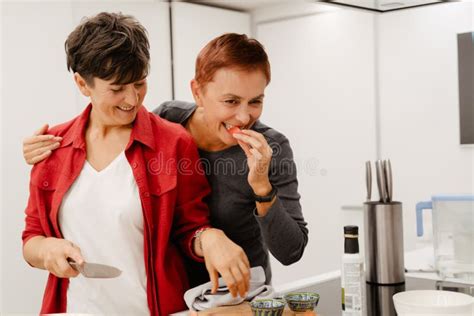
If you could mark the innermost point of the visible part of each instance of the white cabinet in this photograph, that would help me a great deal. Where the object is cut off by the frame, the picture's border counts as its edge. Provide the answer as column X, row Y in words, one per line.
column 193, row 27
column 154, row 16
column 322, row 98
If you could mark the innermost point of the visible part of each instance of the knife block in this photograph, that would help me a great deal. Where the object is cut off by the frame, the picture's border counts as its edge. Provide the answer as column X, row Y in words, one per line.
column 384, row 255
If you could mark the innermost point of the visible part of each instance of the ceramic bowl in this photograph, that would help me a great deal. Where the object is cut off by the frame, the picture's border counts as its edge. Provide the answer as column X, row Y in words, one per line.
column 267, row 307
column 302, row 301
column 428, row 302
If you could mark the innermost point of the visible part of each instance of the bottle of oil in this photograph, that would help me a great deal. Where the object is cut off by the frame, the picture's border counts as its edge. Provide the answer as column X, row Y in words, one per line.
column 352, row 274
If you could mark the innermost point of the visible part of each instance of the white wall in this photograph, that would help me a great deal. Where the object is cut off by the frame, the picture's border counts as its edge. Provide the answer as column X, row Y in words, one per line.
column 193, row 27
column 37, row 89
column 419, row 104
column 322, row 98
column 1, row 157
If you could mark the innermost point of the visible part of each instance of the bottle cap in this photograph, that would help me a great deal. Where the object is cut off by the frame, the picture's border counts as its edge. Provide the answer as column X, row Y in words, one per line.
column 351, row 230
column 351, row 239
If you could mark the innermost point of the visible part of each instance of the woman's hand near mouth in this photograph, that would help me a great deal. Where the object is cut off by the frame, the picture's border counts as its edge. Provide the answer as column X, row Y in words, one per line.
column 259, row 155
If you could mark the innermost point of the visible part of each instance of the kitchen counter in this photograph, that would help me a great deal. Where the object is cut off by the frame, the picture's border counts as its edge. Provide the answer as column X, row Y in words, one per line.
column 378, row 298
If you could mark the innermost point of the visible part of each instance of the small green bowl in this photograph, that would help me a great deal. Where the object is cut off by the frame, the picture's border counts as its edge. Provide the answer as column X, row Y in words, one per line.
column 302, row 301
column 267, row 307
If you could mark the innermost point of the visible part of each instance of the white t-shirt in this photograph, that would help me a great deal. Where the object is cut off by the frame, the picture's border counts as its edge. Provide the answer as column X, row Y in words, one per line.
column 102, row 214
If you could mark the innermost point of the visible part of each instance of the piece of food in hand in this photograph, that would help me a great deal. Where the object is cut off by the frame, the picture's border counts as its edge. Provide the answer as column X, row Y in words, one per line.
column 234, row 130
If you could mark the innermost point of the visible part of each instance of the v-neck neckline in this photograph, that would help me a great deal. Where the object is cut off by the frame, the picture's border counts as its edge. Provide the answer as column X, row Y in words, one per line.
column 110, row 165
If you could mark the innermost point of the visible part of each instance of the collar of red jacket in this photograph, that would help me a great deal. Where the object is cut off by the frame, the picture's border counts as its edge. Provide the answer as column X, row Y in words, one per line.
column 141, row 131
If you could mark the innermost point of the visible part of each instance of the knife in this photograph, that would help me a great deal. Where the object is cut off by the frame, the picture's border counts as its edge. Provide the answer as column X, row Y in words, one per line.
column 380, row 180
column 95, row 270
column 368, row 179
column 384, row 176
column 388, row 173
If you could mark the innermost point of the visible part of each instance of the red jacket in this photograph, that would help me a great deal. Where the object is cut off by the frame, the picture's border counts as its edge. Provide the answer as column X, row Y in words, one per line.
column 163, row 158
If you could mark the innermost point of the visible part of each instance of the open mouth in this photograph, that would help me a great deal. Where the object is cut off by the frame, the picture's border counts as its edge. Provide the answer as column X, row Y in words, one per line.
column 232, row 129
column 125, row 108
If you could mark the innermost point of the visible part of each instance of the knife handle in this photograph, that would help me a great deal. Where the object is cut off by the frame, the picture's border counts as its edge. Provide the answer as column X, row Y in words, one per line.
column 385, row 176
column 389, row 181
column 74, row 264
column 380, row 180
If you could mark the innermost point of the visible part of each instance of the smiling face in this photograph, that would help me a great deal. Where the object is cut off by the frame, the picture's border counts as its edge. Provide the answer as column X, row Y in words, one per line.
column 113, row 104
column 234, row 98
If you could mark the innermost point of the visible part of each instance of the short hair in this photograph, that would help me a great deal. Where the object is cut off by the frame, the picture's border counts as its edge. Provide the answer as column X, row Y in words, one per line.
column 231, row 50
column 109, row 45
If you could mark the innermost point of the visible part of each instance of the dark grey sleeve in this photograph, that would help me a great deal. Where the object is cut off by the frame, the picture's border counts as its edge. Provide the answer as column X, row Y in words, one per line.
column 175, row 111
column 283, row 227
column 162, row 109
column 159, row 110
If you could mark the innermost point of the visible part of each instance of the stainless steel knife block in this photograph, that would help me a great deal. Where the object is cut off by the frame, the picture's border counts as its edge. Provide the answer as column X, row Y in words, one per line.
column 384, row 255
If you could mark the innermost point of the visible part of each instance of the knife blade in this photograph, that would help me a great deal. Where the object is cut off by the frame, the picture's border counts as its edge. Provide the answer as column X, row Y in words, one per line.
column 368, row 179
column 95, row 270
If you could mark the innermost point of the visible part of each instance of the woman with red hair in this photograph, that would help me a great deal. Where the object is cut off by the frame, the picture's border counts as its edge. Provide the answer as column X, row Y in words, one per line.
column 249, row 165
